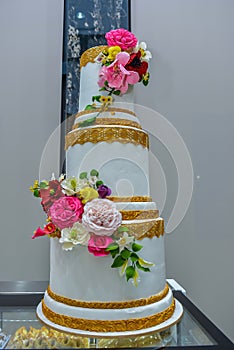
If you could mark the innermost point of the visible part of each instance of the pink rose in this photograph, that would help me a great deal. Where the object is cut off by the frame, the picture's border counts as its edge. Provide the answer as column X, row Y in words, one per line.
column 116, row 75
column 101, row 217
column 66, row 211
column 122, row 38
column 97, row 245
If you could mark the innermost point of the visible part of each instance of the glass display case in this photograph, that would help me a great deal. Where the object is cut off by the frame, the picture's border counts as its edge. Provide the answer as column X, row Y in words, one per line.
column 20, row 327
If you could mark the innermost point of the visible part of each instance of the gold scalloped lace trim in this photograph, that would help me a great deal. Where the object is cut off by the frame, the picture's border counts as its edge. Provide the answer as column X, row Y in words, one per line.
column 130, row 324
column 130, row 199
column 112, row 121
column 110, row 109
column 139, row 214
column 107, row 134
column 148, row 229
column 90, row 54
column 108, row 305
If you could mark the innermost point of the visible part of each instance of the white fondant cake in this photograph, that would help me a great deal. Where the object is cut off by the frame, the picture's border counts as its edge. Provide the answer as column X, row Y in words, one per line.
column 89, row 291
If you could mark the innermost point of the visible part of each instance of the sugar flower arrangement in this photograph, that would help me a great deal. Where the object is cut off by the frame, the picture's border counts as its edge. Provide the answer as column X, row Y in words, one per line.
column 123, row 62
column 80, row 216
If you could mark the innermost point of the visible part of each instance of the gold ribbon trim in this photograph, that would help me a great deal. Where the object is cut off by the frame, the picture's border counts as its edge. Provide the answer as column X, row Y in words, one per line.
column 130, row 199
column 107, row 134
column 110, row 109
column 139, row 214
column 130, row 324
column 90, row 55
column 148, row 229
column 108, row 305
column 112, row 121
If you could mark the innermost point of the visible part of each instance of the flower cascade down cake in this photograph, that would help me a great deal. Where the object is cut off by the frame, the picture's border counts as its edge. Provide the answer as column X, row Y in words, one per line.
column 107, row 266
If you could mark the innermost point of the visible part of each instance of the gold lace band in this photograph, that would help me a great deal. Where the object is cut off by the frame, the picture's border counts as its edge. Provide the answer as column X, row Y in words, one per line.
column 112, row 121
column 110, row 109
column 108, row 305
column 90, row 55
column 148, row 229
column 130, row 199
column 107, row 134
column 139, row 214
column 130, row 324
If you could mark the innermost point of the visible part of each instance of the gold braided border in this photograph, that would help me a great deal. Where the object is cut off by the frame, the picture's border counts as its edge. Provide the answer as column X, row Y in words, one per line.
column 108, row 305
column 139, row 214
column 111, row 121
column 130, row 324
column 107, row 134
column 90, row 55
column 110, row 109
column 147, row 229
column 118, row 199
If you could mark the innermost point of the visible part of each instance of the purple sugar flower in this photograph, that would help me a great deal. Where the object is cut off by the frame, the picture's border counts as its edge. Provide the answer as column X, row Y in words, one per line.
column 104, row 191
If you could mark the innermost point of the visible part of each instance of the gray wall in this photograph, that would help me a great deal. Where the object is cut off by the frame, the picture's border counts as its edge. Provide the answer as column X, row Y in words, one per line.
column 192, row 85
column 30, row 85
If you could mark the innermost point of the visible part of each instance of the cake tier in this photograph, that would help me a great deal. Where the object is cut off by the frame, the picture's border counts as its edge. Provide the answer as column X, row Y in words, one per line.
column 89, row 76
column 109, row 317
column 77, row 274
column 119, row 153
column 112, row 116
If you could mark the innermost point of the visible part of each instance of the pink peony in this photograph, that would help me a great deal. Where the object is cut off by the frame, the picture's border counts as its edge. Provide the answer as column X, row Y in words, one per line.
column 122, row 38
column 101, row 217
column 116, row 75
column 66, row 211
column 97, row 245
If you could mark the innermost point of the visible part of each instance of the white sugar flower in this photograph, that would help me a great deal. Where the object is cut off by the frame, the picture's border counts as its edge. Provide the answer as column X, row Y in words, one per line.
column 145, row 54
column 124, row 241
column 99, row 58
column 72, row 185
column 71, row 237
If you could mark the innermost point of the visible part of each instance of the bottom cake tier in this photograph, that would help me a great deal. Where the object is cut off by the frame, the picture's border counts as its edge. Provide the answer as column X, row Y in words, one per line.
column 129, row 327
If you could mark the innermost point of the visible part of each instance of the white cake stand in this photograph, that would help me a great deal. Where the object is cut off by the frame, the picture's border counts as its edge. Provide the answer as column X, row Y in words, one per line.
column 175, row 318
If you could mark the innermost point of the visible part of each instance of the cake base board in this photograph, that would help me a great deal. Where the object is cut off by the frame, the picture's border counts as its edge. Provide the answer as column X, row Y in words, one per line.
column 175, row 318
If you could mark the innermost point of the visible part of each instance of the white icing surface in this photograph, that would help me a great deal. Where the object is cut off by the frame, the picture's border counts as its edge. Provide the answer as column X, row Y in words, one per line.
column 117, row 115
column 78, row 274
column 109, row 314
column 136, row 205
column 125, row 222
column 89, row 88
column 114, row 161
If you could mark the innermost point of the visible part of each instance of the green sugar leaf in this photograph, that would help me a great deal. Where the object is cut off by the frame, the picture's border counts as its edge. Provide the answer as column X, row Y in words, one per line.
column 89, row 107
column 114, row 253
column 94, row 172
column 99, row 183
column 136, row 247
column 125, row 253
column 145, row 269
column 83, row 175
column 134, row 257
column 130, row 272
column 123, row 229
column 112, row 246
column 119, row 261
column 43, row 184
column 36, row 193
column 117, row 92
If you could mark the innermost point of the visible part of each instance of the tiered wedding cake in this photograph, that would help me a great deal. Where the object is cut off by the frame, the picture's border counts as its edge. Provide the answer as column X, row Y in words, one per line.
column 107, row 266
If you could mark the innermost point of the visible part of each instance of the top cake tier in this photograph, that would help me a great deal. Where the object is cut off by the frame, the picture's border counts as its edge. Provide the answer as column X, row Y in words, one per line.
column 89, row 77
column 109, row 72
